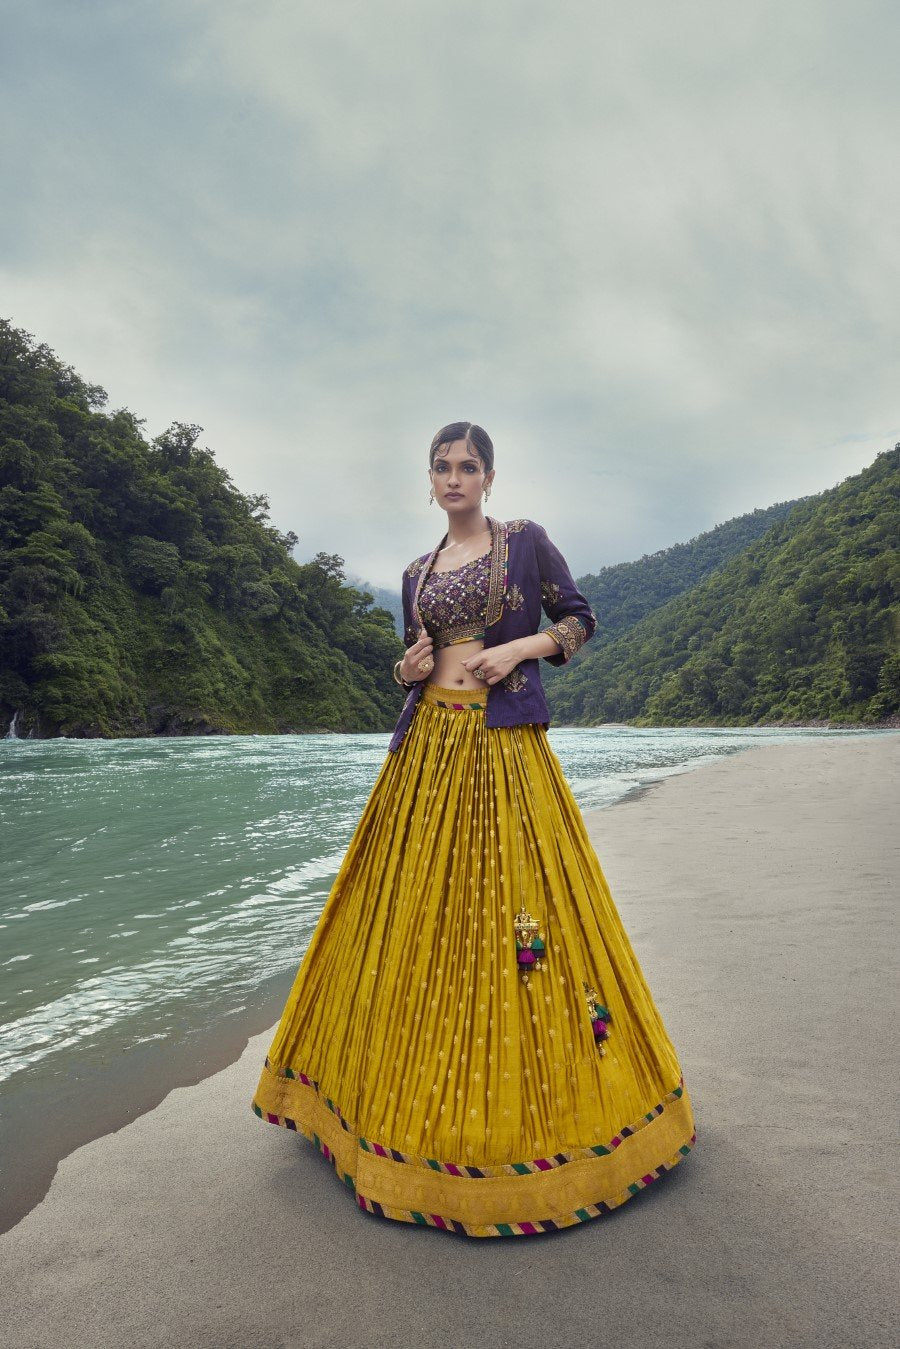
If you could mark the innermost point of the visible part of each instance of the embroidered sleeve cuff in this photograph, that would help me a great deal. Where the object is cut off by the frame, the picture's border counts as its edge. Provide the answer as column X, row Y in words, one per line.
column 570, row 633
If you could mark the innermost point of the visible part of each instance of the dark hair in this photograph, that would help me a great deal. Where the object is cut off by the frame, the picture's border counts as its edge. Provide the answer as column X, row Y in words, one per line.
column 475, row 437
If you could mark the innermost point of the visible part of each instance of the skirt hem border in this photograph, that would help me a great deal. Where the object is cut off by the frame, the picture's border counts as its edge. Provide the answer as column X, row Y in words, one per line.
column 582, row 1213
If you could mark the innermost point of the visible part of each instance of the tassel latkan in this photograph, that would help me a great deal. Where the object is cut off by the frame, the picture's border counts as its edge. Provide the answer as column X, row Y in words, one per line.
column 600, row 1018
column 530, row 950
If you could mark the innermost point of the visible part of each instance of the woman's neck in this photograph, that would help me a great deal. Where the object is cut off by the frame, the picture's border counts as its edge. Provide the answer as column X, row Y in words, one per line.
column 463, row 529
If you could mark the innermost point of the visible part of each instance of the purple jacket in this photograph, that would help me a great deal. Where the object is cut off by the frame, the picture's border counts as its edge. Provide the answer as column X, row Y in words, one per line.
column 528, row 573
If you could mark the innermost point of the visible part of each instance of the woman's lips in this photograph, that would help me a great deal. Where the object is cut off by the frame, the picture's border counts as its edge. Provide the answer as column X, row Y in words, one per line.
column 453, row 496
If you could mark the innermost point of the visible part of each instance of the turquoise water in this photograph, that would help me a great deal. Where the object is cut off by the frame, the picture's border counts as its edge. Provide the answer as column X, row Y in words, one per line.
column 153, row 887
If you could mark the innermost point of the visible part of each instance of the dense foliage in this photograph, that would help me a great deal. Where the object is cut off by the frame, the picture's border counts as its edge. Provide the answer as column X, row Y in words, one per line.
column 141, row 592
column 801, row 625
column 624, row 593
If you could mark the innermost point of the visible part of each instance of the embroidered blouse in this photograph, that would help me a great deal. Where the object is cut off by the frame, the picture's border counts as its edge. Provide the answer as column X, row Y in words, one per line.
column 453, row 604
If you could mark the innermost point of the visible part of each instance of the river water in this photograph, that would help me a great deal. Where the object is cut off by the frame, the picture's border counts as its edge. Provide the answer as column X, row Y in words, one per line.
column 156, row 893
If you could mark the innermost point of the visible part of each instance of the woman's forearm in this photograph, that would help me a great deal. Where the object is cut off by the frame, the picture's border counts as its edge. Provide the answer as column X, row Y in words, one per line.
column 537, row 645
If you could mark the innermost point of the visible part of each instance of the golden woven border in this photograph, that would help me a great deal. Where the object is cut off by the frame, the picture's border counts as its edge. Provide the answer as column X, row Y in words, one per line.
column 586, row 1185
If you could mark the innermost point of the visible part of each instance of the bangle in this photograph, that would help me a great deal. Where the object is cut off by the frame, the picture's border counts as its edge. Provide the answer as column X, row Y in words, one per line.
column 398, row 678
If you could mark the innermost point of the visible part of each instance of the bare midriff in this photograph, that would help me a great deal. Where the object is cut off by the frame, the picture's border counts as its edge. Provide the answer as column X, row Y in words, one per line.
column 449, row 673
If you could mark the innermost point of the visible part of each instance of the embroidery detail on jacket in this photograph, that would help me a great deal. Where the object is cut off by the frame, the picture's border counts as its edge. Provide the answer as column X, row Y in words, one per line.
column 415, row 566
column 515, row 681
column 570, row 633
column 514, row 597
column 550, row 592
column 514, row 526
column 422, row 578
column 499, row 564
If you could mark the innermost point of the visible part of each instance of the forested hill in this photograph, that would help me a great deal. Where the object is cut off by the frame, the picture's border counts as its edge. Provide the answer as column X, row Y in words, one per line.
column 801, row 625
column 624, row 593
column 142, row 593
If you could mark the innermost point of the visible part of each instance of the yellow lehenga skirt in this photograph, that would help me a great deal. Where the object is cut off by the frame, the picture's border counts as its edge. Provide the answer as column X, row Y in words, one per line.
column 460, row 1065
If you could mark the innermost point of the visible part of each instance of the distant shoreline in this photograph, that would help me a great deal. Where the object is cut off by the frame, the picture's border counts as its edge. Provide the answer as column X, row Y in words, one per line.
column 891, row 724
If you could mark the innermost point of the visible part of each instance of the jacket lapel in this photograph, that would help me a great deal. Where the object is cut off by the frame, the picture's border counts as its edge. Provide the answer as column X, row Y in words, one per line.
column 499, row 560
column 423, row 572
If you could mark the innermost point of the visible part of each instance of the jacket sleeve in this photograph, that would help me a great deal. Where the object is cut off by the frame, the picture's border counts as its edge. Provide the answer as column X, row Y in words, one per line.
column 573, row 621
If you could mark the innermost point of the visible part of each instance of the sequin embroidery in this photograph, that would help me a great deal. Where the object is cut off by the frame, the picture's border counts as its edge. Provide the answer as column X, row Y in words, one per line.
column 453, row 604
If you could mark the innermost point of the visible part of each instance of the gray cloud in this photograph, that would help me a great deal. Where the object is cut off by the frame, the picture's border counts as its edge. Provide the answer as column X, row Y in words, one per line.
column 650, row 248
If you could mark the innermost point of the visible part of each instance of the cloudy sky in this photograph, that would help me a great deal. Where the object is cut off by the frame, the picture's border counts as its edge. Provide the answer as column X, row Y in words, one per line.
column 651, row 247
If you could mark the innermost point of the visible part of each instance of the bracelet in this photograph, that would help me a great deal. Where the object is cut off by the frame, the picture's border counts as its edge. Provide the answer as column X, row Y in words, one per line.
column 398, row 678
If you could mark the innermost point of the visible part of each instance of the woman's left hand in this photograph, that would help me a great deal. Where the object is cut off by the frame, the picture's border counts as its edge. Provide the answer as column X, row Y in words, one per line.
column 493, row 664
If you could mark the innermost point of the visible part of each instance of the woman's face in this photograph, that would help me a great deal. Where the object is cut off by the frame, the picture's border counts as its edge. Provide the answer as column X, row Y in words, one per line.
column 458, row 478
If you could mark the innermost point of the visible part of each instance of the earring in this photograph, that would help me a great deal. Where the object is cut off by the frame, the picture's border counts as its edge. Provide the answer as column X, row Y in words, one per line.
column 487, row 491
column 431, row 497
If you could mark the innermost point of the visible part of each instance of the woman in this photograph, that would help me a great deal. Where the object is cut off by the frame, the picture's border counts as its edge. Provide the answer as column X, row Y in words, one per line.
column 469, row 1038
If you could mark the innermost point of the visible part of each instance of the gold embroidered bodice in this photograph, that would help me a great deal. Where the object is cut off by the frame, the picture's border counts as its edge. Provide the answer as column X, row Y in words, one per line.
column 453, row 604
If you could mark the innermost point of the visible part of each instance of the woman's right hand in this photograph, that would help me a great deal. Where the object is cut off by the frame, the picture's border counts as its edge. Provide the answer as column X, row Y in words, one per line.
column 418, row 651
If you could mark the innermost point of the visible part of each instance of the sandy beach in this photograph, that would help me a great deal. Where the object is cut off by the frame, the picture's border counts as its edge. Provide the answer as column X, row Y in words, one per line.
column 759, row 893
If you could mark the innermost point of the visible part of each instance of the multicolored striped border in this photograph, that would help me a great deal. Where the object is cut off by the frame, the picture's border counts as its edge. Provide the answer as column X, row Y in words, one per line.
column 583, row 1214
column 459, row 700
column 580, row 1215
column 457, row 707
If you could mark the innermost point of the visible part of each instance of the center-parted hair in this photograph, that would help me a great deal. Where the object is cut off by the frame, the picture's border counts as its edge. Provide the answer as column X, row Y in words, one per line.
column 475, row 437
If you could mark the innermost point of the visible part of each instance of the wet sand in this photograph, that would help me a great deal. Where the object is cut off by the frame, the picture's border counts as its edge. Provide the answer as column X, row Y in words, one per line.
column 759, row 894
column 46, row 1118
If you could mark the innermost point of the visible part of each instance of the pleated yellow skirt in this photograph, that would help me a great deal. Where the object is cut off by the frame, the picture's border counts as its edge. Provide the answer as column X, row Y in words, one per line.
column 458, row 1070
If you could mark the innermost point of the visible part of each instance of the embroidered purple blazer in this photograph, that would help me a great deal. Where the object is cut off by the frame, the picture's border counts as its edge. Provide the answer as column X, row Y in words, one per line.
column 528, row 573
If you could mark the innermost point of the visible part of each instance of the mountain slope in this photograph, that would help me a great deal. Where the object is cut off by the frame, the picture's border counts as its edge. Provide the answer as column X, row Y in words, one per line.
column 626, row 592
column 801, row 625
